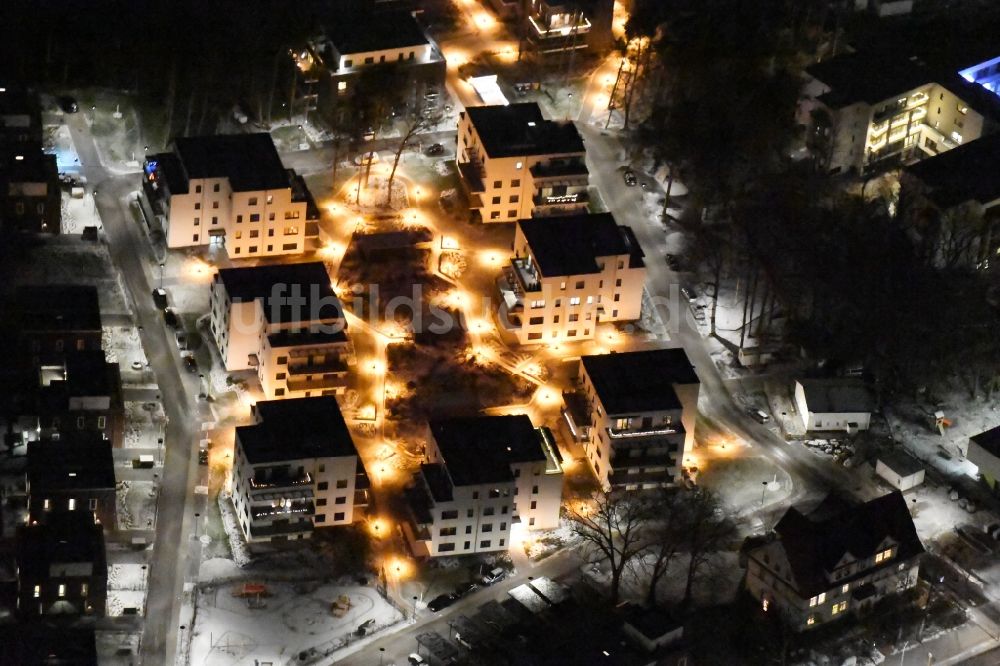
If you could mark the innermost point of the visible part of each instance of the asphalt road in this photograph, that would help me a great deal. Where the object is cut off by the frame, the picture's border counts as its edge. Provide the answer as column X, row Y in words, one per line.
column 129, row 250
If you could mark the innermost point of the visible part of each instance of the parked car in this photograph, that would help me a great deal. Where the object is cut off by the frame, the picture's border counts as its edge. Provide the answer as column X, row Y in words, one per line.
column 434, row 149
column 416, row 659
column 182, row 340
column 495, row 576
column 160, row 298
column 191, row 364
column 202, row 456
column 68, row 104
column 689, row 293
column 464, row 589
column 630, row 178
column 758, row 415
column 170, row 318
column 442, row 601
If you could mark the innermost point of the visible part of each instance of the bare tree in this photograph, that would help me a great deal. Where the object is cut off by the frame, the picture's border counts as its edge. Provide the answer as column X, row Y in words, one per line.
column 614, row 525
column 665, row 539
column 707, row 529
column 417, row 123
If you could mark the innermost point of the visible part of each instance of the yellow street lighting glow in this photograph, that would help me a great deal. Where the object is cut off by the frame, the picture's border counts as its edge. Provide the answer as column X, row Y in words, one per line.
column 491, row 257
column 375, row 366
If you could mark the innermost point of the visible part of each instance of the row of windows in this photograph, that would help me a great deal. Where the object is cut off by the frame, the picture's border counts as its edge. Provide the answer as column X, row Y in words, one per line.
column 255, row 233
column 452, row 514
column 539, row 303
column 450, row 547
column 486, row 527
column 370, row 60
column 569, row 334
column 19, row 208
column 495, row 215
column 497, row 184
column 70, row 504
column 336, row 500
column 325, row 485
column 337, row 517
column 84, row 589
column 270, row 248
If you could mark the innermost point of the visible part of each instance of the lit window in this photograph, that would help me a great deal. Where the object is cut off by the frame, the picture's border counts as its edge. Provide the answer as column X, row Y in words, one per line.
column 518, row 165
column 575, row 300
column 839, row 608
column 62, row 589
column 883, row 556
column 811, row 620
column 764, row 603
column 72, row 504
column 84, row 589
column 845, row 588
column 38, row 591
column 342, row 86
column 46, row 505
column 820, row 598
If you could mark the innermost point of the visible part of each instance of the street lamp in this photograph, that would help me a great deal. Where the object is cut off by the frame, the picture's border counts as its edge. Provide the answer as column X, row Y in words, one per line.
column 196, row 517
column 381, row 654
column 414, row 608
column 762, row 491
column 161, row 274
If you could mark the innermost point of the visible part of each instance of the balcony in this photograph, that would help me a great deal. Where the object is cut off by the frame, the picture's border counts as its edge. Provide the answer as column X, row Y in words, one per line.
column 917, row 99
column 623, row 478
column 527, row 276
column 472, row 176
column 311, row 367
column 317, row 383
column 280, row 528
column 280, row 479
column 573, row 172
column 620, row 461
column 569, row 199
column 660, row 430
column 282, row 508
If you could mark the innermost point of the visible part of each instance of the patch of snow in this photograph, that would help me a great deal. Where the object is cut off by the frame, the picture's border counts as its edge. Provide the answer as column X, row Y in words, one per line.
column 238, row 547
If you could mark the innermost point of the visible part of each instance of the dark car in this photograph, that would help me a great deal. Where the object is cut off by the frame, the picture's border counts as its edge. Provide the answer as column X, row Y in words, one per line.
column 689, row 293
column 68, row 104
column 170, row 318
column 191, row 364
column 630, row 178
column 435, row 149
column 202, row 456
column 465, row 588
column 160, row 298
column 441, row 602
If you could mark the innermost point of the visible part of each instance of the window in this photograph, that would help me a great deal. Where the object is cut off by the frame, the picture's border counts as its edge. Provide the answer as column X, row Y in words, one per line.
column 215, row 204
column 555, row 319
column 811, row 620
column 92, row 504
column 289, row 246
column 468, row 530
column 79, row 423
column 845, row 588
column 512, row 213
column 449, row 515
column 348, row 63
column 239, row 219
column 278, row 377
column 534, row 490
column 255, row 217
column 503, row 526
column 534, row 336
column 497, row 184
column 488, row 527
column 495, row 215
column 270, row 198
column 339, row 516
column 215, row 219
column 197, row 189
column 252, row 201
column 323, row 485
column 534, row 503
column 838, row 608
column 270, row 218
column 291, row 214
column 341, row 483
column 535, row 321
column 320, row 518
column 38, row 591
column 495, row 200
column 518, row 165
column 883, row 556
column 467, row 545
column 279, row 392
column 291, row 231
column 485, row 543
column 475, row 494
column 270, row 247
column 489, row 511
column 514, row 198
column 574, row 317
column 254, row 233
column 215, row 188
column 321, row 502
column 340, row 500
column 446, row 547
column 540, row 303
column 270, row 233
column 194, row 239
column 516, row 182
column 62, row 589
column 503, row 509
column 575, row 300
column 531, row 521
column 282, row 360
column 46, row 504
column 197, row 205
column 817, row 600
column 621, row 265
column 448, row 531
column 102, row 422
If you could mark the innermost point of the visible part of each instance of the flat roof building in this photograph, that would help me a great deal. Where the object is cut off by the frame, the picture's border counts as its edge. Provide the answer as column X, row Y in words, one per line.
column 73, row 473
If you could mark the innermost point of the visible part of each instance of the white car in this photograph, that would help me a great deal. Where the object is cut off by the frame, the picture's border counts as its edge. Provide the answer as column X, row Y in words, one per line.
column 416, row 659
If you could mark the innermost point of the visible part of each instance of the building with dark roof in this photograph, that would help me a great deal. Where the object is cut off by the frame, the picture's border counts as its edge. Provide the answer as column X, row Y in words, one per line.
column 878, row 110
column 983, row 451
column 635, row 415
column 73, row 473
column 230, row 191
column 569, row 274
column 62, row 566
column 555, row 27
column 54, row 319
column 29, row 178
column 349, row 42
column 515, row 164
column 839, row 558
column 834, row 404
column 286, row 321
column 295, row 469
column 485, row 478
column 35, row 644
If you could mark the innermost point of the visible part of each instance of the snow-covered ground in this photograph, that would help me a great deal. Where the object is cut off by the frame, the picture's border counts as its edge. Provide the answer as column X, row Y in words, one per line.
column 136, row 505
column 144, row 423
column 120, row 601
column 124, row 576
column 935, row 513
column 59, row 142
column 123, row 346
column 77, row 213
column 296, row 617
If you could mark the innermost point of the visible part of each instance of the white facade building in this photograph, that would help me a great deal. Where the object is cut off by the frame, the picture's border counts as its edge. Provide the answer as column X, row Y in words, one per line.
column 286, row 321
column 834, row 404
column 295, row 469
column 231, row 191
column 569, row 274
column 515, row 164
column 485, row 479
column 635, row 415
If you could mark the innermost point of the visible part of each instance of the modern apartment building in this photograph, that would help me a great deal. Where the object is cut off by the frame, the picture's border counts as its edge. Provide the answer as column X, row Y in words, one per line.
column 286, row 321
column 556, row 26
column 62, row 567
column 818, row 566
column 296, row 469
column 875, row 112
column 635, row 415
column 485, row 478
column 515, row 164
column 329, row 65
column 75, row 472
column 567, row 275
column 29, row 178
column 233, row 192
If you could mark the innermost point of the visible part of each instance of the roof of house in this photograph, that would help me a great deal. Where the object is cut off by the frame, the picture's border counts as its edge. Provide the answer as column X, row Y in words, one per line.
column 641, row 381
column 48, row 645
column 77, row 460
column 291, row 292
column 481, row 449
column 837, row 396
column 65, row 537
column 901, row 463
column 859, row 77
column 88, row 373
column 249, row 161
column 970, row 172
column 296, row 429
column 58, row 307
column 815, row 542
column 520, row 129
column 989, row 440
column 571, row 244
column 374, row 31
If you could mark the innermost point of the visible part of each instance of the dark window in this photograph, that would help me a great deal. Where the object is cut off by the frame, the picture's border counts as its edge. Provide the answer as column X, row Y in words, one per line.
column 488, row 527
column 446, row 547
column 282, row 360
column 341, row 483
column 340, row 500
column 515, row 183
column 497, row 184
column 290, row 246
column 215, row 188
column 338, row 516
column 320, row 518
column 239, row 219
column 321, row 502
column 536, row 320
column 449, row 515
column 197, row 189
column 496, row 200
column 484, row 544
column 252, row 201
column 448, row 531
column 322, row 485
column 255, row 217
column 534, row 504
